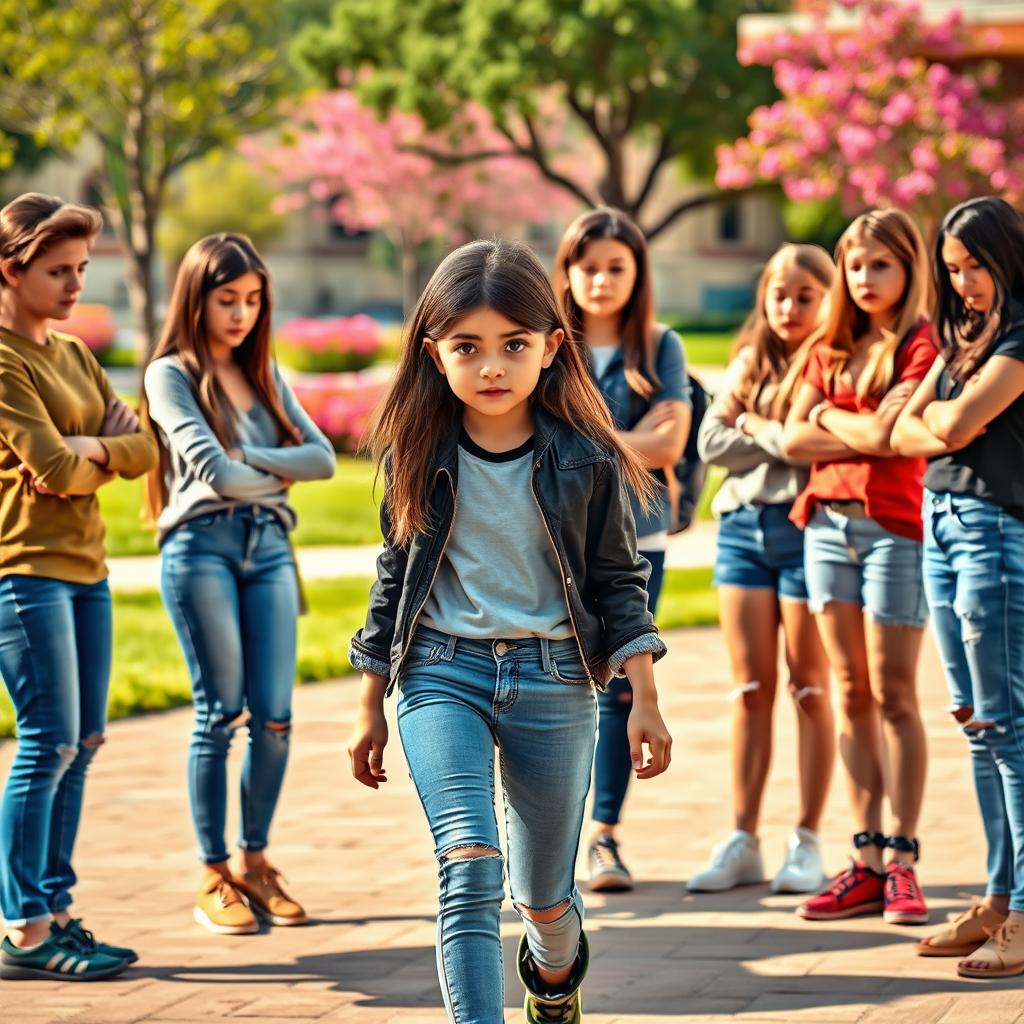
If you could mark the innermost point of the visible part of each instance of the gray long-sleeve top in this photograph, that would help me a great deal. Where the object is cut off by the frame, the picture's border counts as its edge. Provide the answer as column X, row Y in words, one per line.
column 201, row 477
column 759, row 473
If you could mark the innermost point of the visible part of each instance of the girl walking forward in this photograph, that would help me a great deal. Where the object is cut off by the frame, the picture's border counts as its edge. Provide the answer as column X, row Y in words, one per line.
column 967, row 417
column 603, row 282
column 63, row 434
column 759, row 571
column 862, row 548
column 232, row 440
column 509, row 587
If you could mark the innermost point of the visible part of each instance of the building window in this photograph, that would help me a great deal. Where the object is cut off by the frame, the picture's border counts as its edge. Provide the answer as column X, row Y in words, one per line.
column 730, row 223
column 338, row 233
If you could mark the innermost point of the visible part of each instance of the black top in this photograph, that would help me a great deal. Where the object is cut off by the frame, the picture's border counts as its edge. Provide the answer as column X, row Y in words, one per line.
column 989, row 467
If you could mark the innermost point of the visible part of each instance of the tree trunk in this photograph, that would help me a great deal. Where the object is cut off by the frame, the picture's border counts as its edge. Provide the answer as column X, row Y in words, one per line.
column 140, row 299
column 410, row 275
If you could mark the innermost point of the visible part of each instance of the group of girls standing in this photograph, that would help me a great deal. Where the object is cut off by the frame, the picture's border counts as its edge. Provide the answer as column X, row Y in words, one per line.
column 869, row 425
column 221, row 440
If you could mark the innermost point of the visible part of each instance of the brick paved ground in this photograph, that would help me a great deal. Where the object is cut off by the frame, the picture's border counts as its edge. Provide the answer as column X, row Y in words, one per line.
column 362, row 862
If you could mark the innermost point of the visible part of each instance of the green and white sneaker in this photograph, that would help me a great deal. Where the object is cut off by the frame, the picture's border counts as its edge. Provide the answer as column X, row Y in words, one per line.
column 76, row 930
column 540, row 1007
column 59, row 957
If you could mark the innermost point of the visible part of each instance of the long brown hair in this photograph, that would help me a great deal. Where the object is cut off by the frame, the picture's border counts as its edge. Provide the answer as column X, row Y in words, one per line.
column 420, row 410
column 34, row 222
column 847, row 321
column 212, row 262
column 770, row 364
column 636, row 318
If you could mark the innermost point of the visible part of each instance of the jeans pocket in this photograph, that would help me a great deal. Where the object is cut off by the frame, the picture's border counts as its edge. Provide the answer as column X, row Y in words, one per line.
column 973, row 515
column 425, row 652
column 569, row 670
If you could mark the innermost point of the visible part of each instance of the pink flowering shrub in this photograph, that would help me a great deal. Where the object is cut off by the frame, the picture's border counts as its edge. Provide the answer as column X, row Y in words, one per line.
column 864, row 115
column 340, row 404
column 93, row 323
column 330, row 345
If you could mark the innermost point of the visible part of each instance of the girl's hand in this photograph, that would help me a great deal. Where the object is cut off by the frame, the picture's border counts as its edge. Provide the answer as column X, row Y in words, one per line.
column 645, row 725
column 658, row 414
column 753, row 423
column 35, row 484
column 88, row 448
column 730, row 407
column 118, row 419
column 896, row 396
column 366, row 746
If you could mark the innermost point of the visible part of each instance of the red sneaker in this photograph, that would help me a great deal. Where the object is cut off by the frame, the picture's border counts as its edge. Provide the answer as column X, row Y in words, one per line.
column 904, row 901
column 857, row 890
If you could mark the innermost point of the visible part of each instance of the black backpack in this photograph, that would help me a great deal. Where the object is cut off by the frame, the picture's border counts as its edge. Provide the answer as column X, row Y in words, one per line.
column 689, row 471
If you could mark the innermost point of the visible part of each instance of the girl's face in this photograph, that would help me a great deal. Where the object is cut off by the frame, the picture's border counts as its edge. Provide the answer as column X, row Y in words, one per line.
column 970, row 280
column 491, row 363
column 602, row 280
column 232, row 311
column 792, row 302
column 875, row 277
column 49, row 286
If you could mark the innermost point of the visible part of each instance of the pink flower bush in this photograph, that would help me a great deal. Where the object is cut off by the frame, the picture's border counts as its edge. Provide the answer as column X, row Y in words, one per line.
column 329, row 345
column 93, row 323
column 340, row 404
column 866, row 117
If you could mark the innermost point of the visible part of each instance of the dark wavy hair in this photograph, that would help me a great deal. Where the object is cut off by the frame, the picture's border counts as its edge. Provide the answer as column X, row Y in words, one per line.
column 992, row 231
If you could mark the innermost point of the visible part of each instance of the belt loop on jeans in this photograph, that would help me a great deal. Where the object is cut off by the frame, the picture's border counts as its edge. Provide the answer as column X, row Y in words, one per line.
column 545, row 653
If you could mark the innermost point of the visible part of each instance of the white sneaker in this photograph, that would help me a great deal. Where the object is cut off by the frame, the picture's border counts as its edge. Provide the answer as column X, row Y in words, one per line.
column 737, row 861
column 803, row 870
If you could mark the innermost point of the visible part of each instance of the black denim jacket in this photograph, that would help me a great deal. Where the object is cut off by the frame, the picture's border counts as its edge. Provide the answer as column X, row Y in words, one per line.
column 579, row 488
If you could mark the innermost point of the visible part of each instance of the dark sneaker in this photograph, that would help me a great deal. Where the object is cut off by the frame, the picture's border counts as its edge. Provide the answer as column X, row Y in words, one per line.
column 857, row 890
column 58, row 957
column 565, row 1007
column 74, row 929
column 904, row 901
column 607, row 871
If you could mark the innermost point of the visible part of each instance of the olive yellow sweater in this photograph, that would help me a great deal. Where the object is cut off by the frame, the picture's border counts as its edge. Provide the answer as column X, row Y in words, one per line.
column 48, row 392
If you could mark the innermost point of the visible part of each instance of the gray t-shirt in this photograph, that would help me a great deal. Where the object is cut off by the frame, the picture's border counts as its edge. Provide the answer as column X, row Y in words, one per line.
column 499, row 576
column 201, row 477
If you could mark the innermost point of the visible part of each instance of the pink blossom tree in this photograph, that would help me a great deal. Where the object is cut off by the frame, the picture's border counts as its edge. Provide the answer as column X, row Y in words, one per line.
column 865, row 116
column 386, row 182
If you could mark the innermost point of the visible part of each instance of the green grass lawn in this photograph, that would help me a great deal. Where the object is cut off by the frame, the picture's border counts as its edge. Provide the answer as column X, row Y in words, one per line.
column 708, row 349
column 336, row 511
column 149, row 671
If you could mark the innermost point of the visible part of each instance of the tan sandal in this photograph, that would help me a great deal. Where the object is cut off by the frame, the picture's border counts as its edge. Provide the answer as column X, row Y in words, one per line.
column 1002, row 955
column 965, row 932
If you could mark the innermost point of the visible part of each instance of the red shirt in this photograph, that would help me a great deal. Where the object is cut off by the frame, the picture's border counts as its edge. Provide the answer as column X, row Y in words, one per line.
column 890, row 487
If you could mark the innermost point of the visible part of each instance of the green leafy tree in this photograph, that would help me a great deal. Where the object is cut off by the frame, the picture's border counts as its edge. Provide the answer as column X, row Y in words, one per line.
column 153, row 83
column 218, row 192
column 651, row 82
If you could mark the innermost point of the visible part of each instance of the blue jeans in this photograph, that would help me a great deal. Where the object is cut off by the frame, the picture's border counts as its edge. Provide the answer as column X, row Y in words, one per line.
column 229, row 585
column 612, row 765
column 460, row 699
column 55, row 650
column 859, row 561
column 974, row 574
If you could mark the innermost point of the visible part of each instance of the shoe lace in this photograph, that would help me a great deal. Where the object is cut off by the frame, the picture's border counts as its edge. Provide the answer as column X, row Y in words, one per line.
column 81, row 935
column 729, row 850
column 555, row 1013
column 901, row 883
column 846, row 880
column 227, row 895
column 607, row 854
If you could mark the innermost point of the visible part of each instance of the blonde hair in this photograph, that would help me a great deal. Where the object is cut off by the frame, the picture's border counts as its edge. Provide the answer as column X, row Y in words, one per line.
column 846, row 321
column 34, row 222
column 769, row 362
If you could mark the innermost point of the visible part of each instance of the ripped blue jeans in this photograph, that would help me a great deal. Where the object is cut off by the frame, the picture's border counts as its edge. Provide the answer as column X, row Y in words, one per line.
column 55, row 650
column 974, row 581
column 529, row 699
column 229, row 585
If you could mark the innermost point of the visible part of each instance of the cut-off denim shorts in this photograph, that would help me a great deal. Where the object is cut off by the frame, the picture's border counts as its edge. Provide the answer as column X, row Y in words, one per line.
column 858, row 561
column 760, row 549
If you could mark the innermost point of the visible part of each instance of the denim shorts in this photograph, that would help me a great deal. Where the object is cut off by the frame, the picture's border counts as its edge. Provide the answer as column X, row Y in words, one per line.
column 760, row 549
column 859, row 561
